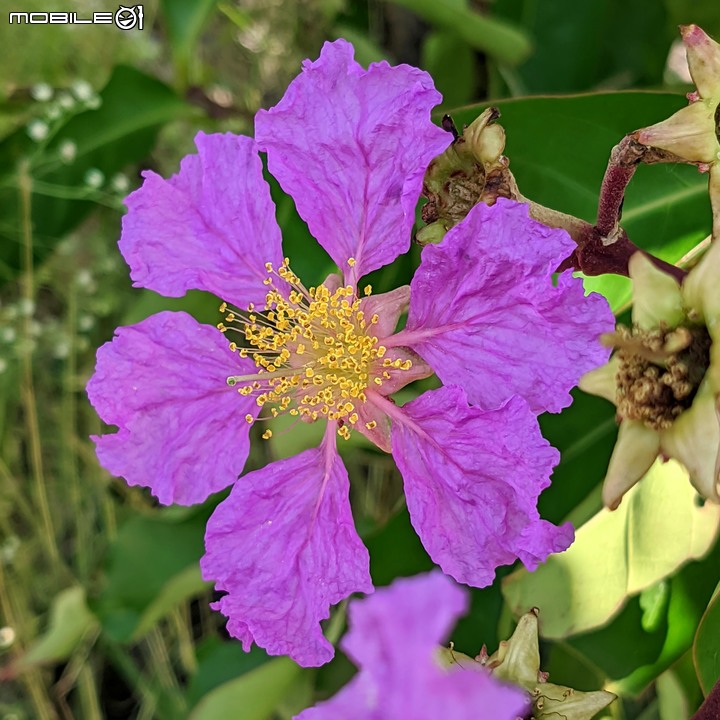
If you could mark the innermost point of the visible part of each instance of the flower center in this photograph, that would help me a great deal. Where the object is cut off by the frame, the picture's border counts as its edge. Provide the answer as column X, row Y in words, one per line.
column 314, row 350
column 660, row 372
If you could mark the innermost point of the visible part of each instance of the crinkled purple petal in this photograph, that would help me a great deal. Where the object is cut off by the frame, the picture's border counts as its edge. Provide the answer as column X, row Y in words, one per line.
column 181, row 429
column 485, row 315
column 472, row 479
column 351, row 146
column 284, row 547
column 393, row 637
column 210, row 227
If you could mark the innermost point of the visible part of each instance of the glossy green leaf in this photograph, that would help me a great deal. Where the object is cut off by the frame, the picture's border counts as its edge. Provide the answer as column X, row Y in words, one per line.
column 184, row 20
column 497, row 38
column 706, row 648
column 590, row 44
column 252, row 696
column 585, row 435
column 657, row 528
column 690, row 591
column 152, row 567
column 185, row 585
column 451, row 62
column 70, row 621
column 220, row 662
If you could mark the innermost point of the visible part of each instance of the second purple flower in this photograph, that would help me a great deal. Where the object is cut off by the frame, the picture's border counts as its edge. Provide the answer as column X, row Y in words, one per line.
column 351, row 147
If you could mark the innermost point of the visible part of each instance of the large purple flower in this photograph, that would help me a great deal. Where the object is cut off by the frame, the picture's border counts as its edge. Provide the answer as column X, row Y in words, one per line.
column 351, row 146
column 394, row 638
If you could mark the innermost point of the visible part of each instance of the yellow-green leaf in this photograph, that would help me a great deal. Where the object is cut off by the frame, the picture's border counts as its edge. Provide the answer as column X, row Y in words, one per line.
column 658, row 527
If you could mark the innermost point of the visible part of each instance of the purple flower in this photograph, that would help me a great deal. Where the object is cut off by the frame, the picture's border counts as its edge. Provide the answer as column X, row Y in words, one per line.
column 393, row 639
column 351, row 146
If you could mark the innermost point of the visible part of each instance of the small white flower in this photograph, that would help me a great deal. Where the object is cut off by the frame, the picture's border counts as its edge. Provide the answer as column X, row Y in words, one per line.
column 7, row 637
column 26, row 307
column 84, row 278
column 61, row 349
column 41, row 92
column 8, row 550
column 82, row 90
column 94, row 178
column 7, row 334
column 66, row 101
column 86, row 322
column 68, row 151
column 37, row 130
column 120, row 183
column 53, row 112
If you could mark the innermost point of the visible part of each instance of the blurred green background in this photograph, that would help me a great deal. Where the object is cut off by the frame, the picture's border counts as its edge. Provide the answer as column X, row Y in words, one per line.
column 102, row 608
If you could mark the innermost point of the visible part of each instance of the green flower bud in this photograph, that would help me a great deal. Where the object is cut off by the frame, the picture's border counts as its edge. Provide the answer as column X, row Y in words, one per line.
column 693, row 133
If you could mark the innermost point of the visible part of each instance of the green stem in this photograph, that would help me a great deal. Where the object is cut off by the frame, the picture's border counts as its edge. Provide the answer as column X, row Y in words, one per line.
column 28, row 397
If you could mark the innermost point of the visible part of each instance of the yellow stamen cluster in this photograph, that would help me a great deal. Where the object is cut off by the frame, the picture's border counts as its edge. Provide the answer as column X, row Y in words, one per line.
column 314, row 349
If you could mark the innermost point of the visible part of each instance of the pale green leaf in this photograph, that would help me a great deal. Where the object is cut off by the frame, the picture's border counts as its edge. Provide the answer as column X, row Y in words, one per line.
column 70, row 621
column 252, row 696
column 657, row 529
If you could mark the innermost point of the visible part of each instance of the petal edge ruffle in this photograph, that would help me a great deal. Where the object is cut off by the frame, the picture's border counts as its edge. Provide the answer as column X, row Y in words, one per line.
column 181, row 429
column 284, row 547
column 351, row 147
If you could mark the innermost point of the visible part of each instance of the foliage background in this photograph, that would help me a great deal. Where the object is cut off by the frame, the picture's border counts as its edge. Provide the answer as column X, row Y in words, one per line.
column 104, row 611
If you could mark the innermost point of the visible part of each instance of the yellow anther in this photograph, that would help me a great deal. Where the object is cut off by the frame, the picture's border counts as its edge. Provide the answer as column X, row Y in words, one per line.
column 314, row 353
column 371, row 425
column 249, row 419
column 267, row 435
column 223, row 307
column 351, row 262
column 221, row 327
column 268, row 266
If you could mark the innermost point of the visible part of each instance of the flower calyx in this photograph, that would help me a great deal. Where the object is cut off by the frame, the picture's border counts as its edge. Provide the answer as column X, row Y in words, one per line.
column 471, row 170
column 517, row 662
column 664, row 378
column 693, row 133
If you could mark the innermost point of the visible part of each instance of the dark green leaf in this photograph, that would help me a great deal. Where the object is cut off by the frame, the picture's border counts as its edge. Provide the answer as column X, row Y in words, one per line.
column 706, row 648
column 152, row 566
column 497, row 38
column 184, row 20
column 252, row 696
